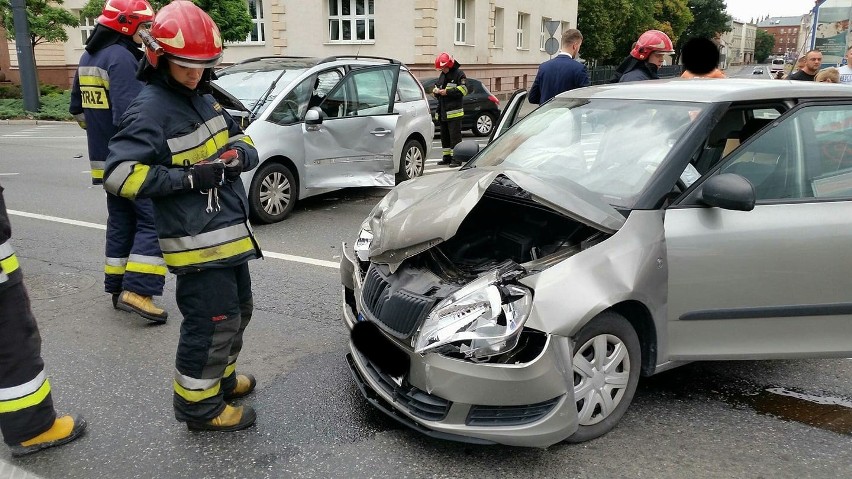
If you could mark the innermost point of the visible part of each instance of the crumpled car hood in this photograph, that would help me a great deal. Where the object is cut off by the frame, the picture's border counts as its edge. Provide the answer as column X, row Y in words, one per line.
column 428, row 210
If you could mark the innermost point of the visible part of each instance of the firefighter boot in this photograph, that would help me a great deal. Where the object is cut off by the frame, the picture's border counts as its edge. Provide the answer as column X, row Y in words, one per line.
column 245, row 385
column 142, row 305
column 230, row 419
column 446, row 160
column 64, row 430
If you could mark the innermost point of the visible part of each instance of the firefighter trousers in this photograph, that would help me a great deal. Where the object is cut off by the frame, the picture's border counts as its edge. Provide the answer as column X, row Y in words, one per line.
column 134, row 261
column 451, row 135
column 217, row 306
column 26, row 405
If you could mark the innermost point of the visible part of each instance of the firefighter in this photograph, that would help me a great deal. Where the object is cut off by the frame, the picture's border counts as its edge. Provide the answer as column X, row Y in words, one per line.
column 178, row 146
column 449, row 90
column 27, row 418
column 104, row 85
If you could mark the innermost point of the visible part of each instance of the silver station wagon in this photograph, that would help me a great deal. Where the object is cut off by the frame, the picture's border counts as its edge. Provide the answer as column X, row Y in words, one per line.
column 615, row 232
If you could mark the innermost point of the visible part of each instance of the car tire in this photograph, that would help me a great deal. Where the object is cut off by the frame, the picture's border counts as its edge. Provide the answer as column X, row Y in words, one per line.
column 607, row 336
column 412, row 162
column 483, row 124
column 273, row 193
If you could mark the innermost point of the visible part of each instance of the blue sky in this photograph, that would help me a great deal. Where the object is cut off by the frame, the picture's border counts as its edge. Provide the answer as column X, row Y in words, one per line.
column 748, row 9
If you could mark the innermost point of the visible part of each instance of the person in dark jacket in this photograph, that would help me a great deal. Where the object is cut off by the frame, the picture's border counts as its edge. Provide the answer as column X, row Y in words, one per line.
column 27, row 418
column 178, row 146
column 449, row 90
column 808, row 72
column 561, row 73
column 104, row 85
column 646, row 57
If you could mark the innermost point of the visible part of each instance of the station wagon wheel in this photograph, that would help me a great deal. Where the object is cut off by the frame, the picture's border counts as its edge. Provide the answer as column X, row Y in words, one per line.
column 606, row 365
column 412, row 162
column 483, row 124
column 273, row 193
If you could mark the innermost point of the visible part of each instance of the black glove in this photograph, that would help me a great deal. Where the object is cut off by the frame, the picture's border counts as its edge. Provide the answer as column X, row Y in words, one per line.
column 206, row 175
column 232, row 159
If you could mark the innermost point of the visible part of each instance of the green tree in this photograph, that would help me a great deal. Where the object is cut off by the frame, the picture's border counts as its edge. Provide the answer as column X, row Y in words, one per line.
column 47, row 20
column 673, row 17
column 709, row 21
column 763, row 45
column 600, row 21
column 231, row 16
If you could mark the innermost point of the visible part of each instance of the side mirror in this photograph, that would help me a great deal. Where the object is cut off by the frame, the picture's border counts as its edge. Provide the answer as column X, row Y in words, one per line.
column 728, row 191
column 465, row 150
column 313, row 116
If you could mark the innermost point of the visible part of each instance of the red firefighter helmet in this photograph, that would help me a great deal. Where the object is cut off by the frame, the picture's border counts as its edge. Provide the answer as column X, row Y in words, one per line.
column 124, row 16
column 650, row 42
column 444, row 60
column 187, row 35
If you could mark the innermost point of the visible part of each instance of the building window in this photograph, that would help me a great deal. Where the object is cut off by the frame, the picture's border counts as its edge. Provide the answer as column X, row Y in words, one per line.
column 87, row 24
column 461, row 21
column 257, row 28
column 351, row 21
column 499, row 26
column 522, row 33
column 543, row 35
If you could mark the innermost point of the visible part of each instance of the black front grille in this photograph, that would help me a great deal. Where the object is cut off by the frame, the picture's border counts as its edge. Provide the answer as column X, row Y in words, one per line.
column 509, row 415
column 398, row 311
column 418, row 403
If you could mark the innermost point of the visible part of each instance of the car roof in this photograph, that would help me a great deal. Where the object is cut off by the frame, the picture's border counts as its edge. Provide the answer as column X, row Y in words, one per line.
column 711, row 90
column 272, row 63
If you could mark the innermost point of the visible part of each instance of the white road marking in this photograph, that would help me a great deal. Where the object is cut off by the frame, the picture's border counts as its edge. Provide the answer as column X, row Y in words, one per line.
column 86, row 224
column 9, row 174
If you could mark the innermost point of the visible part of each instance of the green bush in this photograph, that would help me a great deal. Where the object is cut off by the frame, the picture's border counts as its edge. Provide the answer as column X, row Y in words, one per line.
column 53, row 107
column 10, row 91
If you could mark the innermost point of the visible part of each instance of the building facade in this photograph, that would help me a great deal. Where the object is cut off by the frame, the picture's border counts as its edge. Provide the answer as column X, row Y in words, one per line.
column 785, row 31
column 500, row 42
column 739, row 42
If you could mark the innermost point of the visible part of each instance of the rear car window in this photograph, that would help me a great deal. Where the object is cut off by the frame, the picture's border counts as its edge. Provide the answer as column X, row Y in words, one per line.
column 408, row 88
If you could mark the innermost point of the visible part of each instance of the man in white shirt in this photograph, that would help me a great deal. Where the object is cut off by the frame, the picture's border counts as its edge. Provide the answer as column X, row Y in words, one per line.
column 846, row 70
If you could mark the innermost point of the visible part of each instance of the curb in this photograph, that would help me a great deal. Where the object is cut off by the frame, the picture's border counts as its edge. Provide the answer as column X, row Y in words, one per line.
column 31, row 122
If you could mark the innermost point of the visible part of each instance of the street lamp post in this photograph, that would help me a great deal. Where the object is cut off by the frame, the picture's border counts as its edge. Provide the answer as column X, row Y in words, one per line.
column 26, row 59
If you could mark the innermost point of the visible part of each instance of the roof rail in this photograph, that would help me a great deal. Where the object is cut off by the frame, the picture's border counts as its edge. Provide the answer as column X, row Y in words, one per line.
column 359, row 57
column 264, row 57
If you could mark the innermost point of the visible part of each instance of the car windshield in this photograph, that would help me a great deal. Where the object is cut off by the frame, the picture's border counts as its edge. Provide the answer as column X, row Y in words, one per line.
column 610, row 147
column 248, row 84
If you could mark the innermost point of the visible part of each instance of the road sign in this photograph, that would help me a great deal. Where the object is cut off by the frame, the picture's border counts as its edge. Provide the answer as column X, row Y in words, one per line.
column 551, row 45
column 551, row 26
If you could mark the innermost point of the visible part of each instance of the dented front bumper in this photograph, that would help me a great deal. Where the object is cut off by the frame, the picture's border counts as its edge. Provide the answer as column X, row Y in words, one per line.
column 529, row 404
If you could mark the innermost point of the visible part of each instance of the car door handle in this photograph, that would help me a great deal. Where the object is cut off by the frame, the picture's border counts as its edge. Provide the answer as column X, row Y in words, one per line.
column 381, row 132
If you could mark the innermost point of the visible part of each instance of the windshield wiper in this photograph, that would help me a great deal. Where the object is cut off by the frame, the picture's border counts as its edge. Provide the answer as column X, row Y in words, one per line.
column 262, row 100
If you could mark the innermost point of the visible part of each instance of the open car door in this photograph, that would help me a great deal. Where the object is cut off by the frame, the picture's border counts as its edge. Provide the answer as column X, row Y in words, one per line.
column 352, row 143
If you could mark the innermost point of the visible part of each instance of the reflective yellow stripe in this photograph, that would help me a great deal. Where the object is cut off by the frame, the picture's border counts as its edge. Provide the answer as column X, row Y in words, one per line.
column 10, row 264
column 134, row 181
column 98, row 174
column 29, row 400
column 133, row 267
column 462, row 89
column 94, row 87
column 455, row 114
column 212, row 253
column 201, row 152
column 193, row 395
column 108, row 269
column 244, row 138
column 230, row 370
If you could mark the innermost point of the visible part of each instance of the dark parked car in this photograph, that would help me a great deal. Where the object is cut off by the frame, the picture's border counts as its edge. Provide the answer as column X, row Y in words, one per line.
column 481, row 108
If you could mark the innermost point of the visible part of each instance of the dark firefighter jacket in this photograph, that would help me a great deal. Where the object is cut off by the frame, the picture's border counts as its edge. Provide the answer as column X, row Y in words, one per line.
column 104, row 85
column 450, row 107
column 165, row 130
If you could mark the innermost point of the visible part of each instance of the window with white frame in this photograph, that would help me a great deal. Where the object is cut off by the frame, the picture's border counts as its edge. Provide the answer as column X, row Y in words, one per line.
column 543, row 34
column 522, row 32
column 499, row 26
column 257, row 34
column 87, row 24
column 351, row 21
column 461, row 21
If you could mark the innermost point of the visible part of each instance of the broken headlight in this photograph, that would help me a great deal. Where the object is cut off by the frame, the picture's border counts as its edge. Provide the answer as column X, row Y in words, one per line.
column 481, row 319
column 362, row 244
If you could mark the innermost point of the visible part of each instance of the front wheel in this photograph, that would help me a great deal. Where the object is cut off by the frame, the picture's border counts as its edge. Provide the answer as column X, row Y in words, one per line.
column 412, row 162
column 483, row 124
column 273, row 193
column 606, row 363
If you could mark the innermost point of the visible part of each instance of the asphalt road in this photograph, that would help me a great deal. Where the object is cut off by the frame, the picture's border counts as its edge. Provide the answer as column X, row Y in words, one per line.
column 729, row 419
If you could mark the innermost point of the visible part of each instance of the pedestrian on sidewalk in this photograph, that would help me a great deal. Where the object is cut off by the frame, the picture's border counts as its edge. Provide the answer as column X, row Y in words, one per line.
column 561, row 73
column 104, row 85
column 449, row 90
column 177, row 145
column 27, row 418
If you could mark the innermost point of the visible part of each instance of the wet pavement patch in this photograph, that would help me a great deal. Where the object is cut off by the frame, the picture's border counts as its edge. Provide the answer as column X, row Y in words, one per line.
column 825, row 412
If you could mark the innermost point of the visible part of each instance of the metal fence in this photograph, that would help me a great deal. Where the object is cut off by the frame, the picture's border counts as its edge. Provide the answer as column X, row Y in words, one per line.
column 599, row 75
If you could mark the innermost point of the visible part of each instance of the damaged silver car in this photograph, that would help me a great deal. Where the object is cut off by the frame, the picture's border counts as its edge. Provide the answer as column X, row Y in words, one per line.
column 614, row 232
